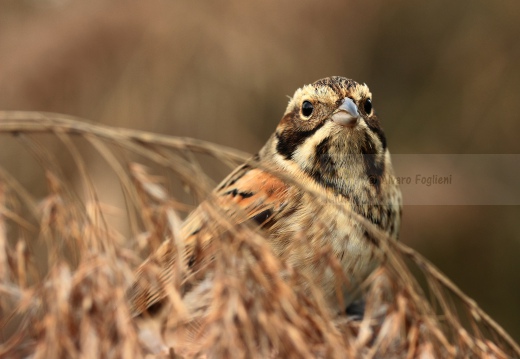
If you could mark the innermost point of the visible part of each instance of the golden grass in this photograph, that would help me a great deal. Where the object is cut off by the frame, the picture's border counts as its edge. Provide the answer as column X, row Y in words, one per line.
column 67, row 260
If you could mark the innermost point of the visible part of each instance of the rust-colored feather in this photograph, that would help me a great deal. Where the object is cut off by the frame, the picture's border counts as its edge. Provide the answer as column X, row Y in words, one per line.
column 261, row 198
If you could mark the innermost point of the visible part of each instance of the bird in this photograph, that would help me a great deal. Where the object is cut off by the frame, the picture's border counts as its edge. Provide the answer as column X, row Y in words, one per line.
column 330, row 140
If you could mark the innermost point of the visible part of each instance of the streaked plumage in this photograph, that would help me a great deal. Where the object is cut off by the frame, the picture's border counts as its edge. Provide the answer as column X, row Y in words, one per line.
column 329, row 139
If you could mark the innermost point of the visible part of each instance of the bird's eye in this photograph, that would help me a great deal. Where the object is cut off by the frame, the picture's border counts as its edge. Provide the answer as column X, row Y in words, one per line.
column 307, row 108
column 367, row 106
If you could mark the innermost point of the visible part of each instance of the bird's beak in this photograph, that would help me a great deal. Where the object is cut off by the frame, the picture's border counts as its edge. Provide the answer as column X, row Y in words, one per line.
column 347, row 114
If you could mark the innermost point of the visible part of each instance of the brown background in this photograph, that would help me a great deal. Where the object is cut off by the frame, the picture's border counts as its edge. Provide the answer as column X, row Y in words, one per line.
column 445, row 77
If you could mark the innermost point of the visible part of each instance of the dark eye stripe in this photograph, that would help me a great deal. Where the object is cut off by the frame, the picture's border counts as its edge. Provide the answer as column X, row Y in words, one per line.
column 373, row 125
column 290, row 138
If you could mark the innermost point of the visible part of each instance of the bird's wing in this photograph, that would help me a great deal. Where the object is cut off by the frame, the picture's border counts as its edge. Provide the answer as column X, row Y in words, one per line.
column 246, row 194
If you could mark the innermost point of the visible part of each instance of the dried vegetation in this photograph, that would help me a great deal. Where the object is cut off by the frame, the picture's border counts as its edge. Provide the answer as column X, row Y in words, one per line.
column 67, row 258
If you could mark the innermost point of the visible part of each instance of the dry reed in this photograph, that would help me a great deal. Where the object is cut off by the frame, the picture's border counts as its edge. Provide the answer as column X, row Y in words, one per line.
column 67, row 259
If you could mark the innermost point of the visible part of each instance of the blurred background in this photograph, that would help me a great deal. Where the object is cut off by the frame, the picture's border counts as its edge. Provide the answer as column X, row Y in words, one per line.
column 445, row 78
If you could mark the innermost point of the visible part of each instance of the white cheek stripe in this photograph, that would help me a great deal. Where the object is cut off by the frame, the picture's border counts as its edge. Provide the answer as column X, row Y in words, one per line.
column 303, row 157
column 304, row 154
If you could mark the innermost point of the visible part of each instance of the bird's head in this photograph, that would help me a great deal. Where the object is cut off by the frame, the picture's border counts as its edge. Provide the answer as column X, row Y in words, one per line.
column 330, row 131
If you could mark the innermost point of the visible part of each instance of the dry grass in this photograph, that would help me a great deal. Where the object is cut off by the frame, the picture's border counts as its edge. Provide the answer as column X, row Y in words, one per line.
column 67, row 259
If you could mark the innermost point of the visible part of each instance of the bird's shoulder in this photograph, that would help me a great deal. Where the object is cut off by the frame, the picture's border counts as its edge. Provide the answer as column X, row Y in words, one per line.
column 247, row 194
